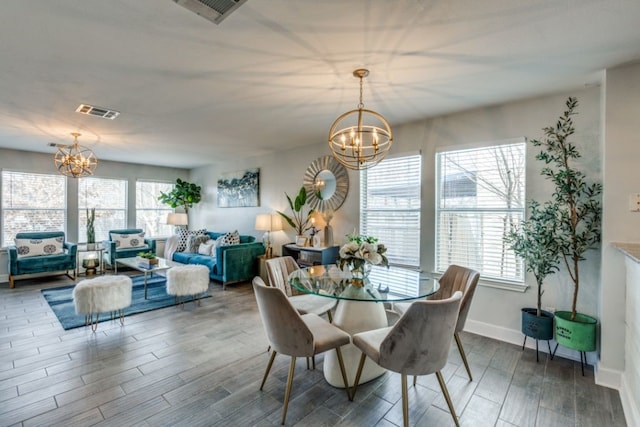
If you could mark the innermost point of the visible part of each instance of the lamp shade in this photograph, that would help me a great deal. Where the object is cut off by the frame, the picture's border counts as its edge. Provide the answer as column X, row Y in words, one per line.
column 268, row 222
column 177, row 219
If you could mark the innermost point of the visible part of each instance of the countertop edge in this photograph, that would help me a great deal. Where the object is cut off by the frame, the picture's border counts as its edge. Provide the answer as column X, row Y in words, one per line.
column 632, row 250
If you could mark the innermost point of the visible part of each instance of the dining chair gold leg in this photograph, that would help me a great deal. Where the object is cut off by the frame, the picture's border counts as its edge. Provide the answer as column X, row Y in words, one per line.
column 405, row 400
column 266, row 373
column 358, row 373
column 415, row 380
column 445, row 392
column 329, row 316
column 343, row 372
column 313, row 361
column 307, row 363
column 287, row 393
column 464, row 356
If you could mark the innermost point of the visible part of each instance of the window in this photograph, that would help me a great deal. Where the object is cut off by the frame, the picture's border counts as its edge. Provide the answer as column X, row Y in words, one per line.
column 27, row 206
column 109, row 198
column 479, row 195
column 151, row 214
column 390, row 207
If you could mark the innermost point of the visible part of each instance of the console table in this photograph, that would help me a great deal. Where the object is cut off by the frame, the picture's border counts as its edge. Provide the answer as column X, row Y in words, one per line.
column 307, row 256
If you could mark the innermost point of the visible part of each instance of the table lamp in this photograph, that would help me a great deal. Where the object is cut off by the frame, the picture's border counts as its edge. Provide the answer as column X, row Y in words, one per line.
column 178, row 219
column 268, row 223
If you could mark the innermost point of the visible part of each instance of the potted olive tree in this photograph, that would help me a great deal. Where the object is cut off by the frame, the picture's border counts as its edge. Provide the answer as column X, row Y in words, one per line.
column 575, row 216
column 534, row 241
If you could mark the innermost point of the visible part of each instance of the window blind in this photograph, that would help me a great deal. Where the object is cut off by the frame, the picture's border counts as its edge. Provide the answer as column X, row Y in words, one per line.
column 151, row 214
column 32, row 202
column 390, row 207
column 109, row 197
column 479, row 196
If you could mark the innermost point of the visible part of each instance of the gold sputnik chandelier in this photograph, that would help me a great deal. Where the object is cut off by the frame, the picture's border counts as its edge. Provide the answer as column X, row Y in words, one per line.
column 75, row 160
column 360, row 139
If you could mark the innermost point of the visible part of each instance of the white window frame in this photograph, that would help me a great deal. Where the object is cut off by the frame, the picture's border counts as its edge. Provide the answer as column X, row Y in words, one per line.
column 517, row 280
column 161, row 210
column 9, row 174
column 402, row 238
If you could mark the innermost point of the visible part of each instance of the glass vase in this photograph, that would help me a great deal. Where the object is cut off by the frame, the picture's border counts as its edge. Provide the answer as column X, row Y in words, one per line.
column 360, row 274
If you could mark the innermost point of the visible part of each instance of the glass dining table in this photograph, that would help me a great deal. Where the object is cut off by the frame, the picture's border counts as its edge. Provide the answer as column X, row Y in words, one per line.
column 360, row 308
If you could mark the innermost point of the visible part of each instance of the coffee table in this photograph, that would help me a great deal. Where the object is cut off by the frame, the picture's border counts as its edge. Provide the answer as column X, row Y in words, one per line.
column 162, row 265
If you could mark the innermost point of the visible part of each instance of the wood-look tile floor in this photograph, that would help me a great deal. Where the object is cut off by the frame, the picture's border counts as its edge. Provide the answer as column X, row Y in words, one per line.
column 202, row 366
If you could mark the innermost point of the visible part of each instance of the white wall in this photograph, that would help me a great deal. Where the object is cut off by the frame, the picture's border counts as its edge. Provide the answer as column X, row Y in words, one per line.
column 622, row 177
column 280, row 172
column 24, row 161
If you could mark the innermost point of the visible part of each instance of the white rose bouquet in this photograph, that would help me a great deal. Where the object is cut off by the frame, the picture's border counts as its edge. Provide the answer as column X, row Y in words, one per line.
column 362, row 250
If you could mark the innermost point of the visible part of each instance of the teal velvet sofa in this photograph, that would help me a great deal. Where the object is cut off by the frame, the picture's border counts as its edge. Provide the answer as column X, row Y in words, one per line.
column 113, row 252
column 231, row 264
column 20, row 263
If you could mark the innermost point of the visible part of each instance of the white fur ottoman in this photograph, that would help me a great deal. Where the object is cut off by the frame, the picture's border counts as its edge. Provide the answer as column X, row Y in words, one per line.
column 187, row 280
column 106, row 294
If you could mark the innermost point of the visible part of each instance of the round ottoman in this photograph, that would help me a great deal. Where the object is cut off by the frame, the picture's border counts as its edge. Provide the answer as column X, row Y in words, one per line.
column 106, row 294
column 187, row 280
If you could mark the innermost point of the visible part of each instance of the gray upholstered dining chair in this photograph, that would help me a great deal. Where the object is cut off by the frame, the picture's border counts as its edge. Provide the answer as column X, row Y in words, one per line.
column 278, row 270
column 295, row 335
column 418, row 344
column 455, row 279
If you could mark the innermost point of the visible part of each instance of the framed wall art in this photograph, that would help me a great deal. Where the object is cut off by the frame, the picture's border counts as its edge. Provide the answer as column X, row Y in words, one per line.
column 239, row 189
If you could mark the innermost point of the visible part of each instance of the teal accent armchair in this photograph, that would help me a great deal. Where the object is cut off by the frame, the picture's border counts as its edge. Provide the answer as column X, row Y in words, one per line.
column 111, row 252
column 56, row 263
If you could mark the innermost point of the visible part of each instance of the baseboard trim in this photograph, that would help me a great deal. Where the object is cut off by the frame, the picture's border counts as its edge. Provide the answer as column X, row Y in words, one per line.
column 608, row 377
column 514, row 336
column 629, row 405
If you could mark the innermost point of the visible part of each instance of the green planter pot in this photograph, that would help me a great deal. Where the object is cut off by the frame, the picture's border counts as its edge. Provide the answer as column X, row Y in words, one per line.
column 578, row 334
column 540, row 328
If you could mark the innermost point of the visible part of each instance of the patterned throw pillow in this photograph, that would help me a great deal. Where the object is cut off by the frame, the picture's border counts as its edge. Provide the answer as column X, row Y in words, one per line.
column 194, row 241
column 37, row 247
column 126, row 241
column 232, row 238
column 183, row 235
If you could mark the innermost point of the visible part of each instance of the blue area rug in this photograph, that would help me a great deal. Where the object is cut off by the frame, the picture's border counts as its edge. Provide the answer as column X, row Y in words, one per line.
column 61, row 301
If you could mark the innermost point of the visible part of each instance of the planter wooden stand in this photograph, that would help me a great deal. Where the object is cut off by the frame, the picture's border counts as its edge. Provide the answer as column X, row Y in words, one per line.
column 578, row 334
column 538, row 328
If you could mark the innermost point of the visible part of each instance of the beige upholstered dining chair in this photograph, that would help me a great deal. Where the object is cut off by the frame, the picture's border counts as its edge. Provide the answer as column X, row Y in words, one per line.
column 455, row 279
column 418, row 344
column 278, row 270
column 295, row 335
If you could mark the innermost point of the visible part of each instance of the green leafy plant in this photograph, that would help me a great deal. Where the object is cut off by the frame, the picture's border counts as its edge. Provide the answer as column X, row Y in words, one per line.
column 147, row 255
column 184, row 195
column 299, row 220
column 574, row 213
column 91, row 231
column 534, row 241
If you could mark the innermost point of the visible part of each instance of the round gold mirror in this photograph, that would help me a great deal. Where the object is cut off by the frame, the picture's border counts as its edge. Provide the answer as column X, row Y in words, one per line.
column 327, row 184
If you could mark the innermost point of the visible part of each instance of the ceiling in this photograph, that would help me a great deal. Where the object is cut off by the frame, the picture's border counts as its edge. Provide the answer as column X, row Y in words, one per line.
column 276, row 73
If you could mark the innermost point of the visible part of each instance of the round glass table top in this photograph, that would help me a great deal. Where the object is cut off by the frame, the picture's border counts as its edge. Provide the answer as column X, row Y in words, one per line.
column 382, row 285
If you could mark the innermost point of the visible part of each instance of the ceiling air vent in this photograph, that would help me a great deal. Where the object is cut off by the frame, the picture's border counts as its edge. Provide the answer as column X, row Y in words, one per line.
column 90, row 110
column 212, row 10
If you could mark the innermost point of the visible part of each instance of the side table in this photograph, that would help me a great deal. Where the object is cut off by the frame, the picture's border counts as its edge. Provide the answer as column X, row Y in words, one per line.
column 98, row 249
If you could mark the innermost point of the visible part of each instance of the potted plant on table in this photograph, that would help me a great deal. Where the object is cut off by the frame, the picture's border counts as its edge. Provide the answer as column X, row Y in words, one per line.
column 575, row 216
column 359, row 254
column 300, row 220
column 534, row 241
column 147, row 259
